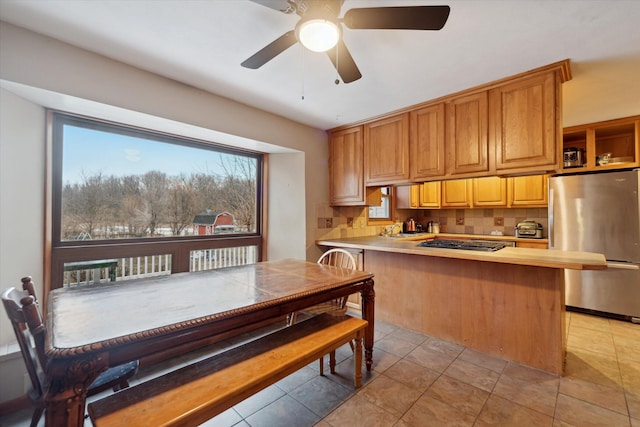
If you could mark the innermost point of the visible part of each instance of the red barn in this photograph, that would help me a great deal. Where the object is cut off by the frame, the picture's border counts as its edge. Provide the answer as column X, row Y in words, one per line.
column 213, row 223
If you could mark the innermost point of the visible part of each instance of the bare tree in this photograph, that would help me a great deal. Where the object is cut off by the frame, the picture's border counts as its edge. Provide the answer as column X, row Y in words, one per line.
column 154, row 191
column 239, row 193
column 181, row 204
column 85, row 207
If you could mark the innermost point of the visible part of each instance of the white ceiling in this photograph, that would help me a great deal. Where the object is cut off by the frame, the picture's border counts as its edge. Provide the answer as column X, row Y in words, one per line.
column 203, row 42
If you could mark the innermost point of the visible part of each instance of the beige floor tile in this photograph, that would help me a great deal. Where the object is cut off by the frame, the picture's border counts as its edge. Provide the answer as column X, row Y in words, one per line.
column 434, row 413
column 390, row 395
column 628, row 329
column 608, row 397
column 394, row 345
column 502, row 412
column 589, row 322
column 474, row 375
column 592, row 340
column 359, row 412
column 488, row 361
column 633, row 403
column 630, row 372
column 383, row 360
column 529, row 387
column 598, row 368
column 412, row 374
column 444, row 347
column 627, row 348
column 462, row 396
column 580, row 413
column 430, row 358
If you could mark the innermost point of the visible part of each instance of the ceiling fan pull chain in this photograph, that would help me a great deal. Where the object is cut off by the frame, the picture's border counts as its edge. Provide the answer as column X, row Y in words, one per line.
column 302, row 74
column 337, row 81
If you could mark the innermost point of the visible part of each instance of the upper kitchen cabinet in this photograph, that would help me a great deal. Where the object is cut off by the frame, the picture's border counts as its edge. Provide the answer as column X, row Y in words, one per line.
column 490, row 191
column 346, row 168
column 467, row 135
column 611, row 144
column 457, row 193
column 427, row 142
column 386, row 150
column 525, row 123
column 528, row 191
column 419, row 196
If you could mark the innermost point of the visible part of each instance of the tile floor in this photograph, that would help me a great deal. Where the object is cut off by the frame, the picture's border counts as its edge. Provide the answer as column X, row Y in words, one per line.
column 423, row 381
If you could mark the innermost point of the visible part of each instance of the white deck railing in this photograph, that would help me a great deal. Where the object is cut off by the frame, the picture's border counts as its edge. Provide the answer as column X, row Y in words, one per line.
column 159, row 265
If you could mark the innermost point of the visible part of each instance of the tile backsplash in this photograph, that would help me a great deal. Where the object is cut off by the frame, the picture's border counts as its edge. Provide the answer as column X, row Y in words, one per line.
column 344, row 222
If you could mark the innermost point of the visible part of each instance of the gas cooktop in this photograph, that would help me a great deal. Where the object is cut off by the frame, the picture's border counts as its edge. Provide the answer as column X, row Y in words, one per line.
column 471, row 245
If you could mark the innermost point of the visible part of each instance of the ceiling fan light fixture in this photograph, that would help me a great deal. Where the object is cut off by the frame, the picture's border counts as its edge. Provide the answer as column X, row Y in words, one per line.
column 318, row 34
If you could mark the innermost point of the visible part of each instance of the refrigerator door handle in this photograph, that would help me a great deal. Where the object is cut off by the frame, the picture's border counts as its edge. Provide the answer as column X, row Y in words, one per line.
column 551, row 217
column 623, row 265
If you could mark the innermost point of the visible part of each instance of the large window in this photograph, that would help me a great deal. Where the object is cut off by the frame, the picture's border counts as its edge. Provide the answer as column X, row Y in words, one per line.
column 122, row 190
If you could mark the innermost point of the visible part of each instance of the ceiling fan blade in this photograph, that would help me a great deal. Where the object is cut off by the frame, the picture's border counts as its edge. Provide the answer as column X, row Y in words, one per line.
column 280, row 5
column 271, row 50
column 344, row 63
column 397, row 18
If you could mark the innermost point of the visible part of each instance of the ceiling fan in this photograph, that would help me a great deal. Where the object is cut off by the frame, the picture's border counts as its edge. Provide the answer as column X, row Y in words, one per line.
column 319, row 29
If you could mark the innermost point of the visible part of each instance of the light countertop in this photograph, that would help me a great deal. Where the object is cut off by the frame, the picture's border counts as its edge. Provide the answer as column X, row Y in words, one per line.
column 509, row 255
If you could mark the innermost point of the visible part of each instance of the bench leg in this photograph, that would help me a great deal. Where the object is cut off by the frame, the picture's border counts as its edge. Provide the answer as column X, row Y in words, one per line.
column 332, row 361
column 357, row 363
column 321, row 365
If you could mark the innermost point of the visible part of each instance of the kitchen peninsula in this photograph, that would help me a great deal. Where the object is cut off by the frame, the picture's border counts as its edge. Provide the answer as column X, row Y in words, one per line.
column 509, row 303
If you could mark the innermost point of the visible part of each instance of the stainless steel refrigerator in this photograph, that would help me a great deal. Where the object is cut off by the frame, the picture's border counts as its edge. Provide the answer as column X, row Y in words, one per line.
column 599, row 212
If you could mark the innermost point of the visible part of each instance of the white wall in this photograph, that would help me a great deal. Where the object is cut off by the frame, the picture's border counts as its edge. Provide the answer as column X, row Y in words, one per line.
column 297, row 175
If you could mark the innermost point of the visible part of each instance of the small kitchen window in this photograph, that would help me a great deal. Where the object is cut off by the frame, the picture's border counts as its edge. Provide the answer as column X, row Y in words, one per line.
column 383, row 213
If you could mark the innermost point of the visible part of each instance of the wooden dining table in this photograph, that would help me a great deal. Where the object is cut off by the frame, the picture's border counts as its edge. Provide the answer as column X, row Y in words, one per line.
column 95, row 327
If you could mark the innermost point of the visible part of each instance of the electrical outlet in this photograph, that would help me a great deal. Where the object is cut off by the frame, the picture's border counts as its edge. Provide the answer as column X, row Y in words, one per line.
column 328, row 222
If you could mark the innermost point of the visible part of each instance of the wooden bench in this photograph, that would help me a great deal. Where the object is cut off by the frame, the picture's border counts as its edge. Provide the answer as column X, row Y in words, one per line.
column 195, row 393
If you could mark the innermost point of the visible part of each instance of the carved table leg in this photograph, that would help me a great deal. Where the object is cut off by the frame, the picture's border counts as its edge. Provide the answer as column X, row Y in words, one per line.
column 66, row 392
column 368, row 308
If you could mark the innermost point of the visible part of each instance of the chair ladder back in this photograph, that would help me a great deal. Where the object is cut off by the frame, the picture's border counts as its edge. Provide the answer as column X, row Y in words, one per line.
column 11, row 300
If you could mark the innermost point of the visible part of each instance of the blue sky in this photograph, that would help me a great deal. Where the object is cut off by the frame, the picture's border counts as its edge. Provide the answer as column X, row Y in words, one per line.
column 88, row 152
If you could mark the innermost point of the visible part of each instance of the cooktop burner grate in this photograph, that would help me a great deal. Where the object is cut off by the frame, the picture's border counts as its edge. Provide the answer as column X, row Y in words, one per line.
column 470, row 245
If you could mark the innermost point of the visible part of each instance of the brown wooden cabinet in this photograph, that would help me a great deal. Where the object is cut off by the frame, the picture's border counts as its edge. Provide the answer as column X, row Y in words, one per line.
column 525, row 117
column 529, row 191
column 619, row 138
column 386, row 150
column 427, row 142
column 457, row 193
column 346, row 168
column 490, row 191
column 430, row 194
column 467, row 135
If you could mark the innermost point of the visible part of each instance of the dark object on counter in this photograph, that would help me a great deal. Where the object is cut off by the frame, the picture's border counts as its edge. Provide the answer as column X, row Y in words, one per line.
column 471, row 245
column 529, row 229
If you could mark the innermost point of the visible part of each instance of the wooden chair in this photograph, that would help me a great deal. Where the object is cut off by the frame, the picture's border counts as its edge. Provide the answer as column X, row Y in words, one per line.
column 22, row 309
column 337, row 258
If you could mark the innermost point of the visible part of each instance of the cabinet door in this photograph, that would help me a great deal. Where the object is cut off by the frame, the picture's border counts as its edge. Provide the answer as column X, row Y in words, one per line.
column 430, row 194
column 528, row 191
column 457, row 193
column 386, row 150
column 490, row 191
column 525, row 117
column 467, row 136
column 426, row 142
column 346, row 168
